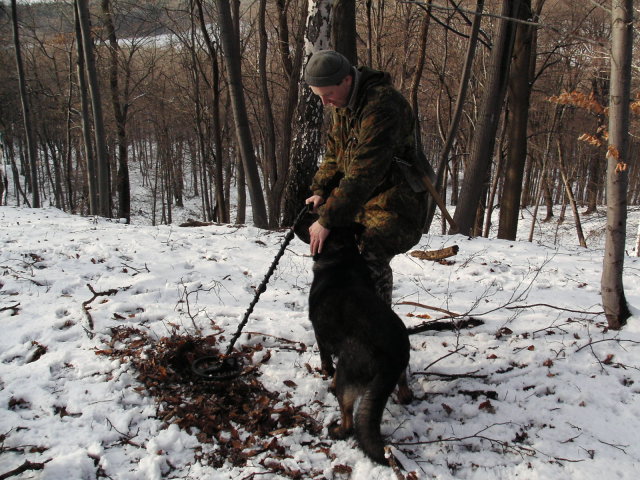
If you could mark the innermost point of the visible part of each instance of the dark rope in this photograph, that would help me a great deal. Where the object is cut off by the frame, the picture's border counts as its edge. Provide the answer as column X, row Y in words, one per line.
column 263, row 286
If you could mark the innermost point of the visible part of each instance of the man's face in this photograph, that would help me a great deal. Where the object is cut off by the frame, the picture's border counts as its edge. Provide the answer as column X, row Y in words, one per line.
column 335, row 95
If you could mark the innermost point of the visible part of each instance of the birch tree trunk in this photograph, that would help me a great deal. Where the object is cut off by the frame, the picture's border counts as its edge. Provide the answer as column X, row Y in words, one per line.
column 613, row 297
column 306, row 149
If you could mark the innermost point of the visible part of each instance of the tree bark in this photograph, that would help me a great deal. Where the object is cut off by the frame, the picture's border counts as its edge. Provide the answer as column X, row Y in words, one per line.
column 218, row 177
column 269, row 162
column 443, row 158
column 90, row 159
column 520, row 84
column 306, row 149
column 343, row 29
column 613, row 297
column 570, row 196
column 102, row 163
column 484, row 136
column 32, row 154
column 231, row 49
column 120, row 111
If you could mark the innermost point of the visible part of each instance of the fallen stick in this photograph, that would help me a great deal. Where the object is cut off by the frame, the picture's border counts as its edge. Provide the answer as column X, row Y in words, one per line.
column 25, row 467
column 85, row 305
column 435, row 255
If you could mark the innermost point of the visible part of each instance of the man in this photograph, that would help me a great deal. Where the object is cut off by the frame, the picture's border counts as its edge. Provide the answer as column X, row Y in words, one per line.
column 371, row 172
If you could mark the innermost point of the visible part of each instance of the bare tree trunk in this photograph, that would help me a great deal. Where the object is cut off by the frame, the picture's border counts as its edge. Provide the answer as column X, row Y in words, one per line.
column 343, row 29
column 417, row 76
column 542, row 186
column 269, row 162
column 484, row 136
column 231, row 49
column 570, row 196
column 596, row 165
column 495, row 183
column 520, row 84
column 242, row 193
column 32, row 154
column 92, row 174
column 104, row 194
column 613, row 297
column 218, row 176
column 120, row 110
column 458, row 109
column 306, row 148
column 292, row 66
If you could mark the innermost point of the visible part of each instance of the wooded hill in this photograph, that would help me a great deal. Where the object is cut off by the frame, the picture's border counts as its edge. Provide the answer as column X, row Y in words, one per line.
column 163, row 84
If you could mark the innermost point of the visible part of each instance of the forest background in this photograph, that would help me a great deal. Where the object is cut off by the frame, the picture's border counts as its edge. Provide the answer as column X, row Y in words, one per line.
column 512, row 100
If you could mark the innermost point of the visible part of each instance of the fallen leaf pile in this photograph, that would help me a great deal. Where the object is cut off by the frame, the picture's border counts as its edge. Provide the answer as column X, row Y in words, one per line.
column 239, row 418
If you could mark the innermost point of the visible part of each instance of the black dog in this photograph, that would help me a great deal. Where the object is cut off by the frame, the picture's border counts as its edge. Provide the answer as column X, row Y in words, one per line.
column 368, row 339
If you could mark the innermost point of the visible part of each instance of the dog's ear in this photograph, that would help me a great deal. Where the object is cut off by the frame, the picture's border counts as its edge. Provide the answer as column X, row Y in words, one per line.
column 301, row 229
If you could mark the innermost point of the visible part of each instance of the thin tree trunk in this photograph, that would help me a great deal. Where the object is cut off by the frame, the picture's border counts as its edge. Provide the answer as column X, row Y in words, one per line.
column 102, row 164
column 269, row 162
column 230, row 47
column 92, row 174
column 570, row 196
column 443, row 157
column 120, row 110
column 32, row 154
column 417, row 76
column 484, row 136
column 613, row 297
column 292, row 66
column 542, row 186
column 218, row 176
column 495, row 183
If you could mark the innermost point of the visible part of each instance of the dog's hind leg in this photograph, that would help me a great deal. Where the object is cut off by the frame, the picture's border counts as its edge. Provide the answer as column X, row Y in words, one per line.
column 369, row 416
column 347, row 396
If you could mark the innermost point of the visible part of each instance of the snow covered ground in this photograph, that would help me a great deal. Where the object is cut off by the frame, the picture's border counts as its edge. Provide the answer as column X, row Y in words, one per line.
column 540, row 390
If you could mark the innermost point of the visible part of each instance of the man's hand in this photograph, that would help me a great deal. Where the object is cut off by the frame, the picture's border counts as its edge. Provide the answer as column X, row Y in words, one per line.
column 317, row 235
column 316, row 200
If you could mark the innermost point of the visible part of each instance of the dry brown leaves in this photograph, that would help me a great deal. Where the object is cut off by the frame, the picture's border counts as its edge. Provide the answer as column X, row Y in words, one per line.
column 240, row 418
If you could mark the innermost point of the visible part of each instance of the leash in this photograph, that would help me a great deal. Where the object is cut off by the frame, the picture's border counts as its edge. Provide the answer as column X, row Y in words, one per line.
column 213, row 368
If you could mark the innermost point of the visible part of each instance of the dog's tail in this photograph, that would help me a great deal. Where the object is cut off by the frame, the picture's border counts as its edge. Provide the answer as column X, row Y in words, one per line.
column 369, row 416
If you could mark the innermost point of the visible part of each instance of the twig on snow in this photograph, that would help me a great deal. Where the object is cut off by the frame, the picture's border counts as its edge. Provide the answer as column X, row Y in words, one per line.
column 86, row 308
column 15, row 308
column 25, row 467
column 619, row 340
column 516, row 307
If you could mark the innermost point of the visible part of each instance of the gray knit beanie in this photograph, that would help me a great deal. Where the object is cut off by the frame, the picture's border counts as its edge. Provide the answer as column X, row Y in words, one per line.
column 325, row 68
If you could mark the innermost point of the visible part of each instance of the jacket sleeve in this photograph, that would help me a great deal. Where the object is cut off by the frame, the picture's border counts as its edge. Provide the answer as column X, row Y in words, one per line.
column 328, row 173
column 370, row 153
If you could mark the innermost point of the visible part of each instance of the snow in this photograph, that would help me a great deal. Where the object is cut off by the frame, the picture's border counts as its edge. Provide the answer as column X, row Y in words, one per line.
column 540, row 390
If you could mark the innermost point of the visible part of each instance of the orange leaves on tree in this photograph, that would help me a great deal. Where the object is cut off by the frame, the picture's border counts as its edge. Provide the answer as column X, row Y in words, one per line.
column 581, row 100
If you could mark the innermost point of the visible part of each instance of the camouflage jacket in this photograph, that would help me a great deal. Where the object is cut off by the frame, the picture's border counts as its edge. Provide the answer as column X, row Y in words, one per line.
column 360, row 178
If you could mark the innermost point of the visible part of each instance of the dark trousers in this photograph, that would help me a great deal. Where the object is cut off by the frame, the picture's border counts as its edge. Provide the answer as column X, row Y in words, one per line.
column 380, row 271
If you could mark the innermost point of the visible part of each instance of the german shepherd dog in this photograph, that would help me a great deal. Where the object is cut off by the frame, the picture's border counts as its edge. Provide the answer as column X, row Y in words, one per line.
column 369, row 341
